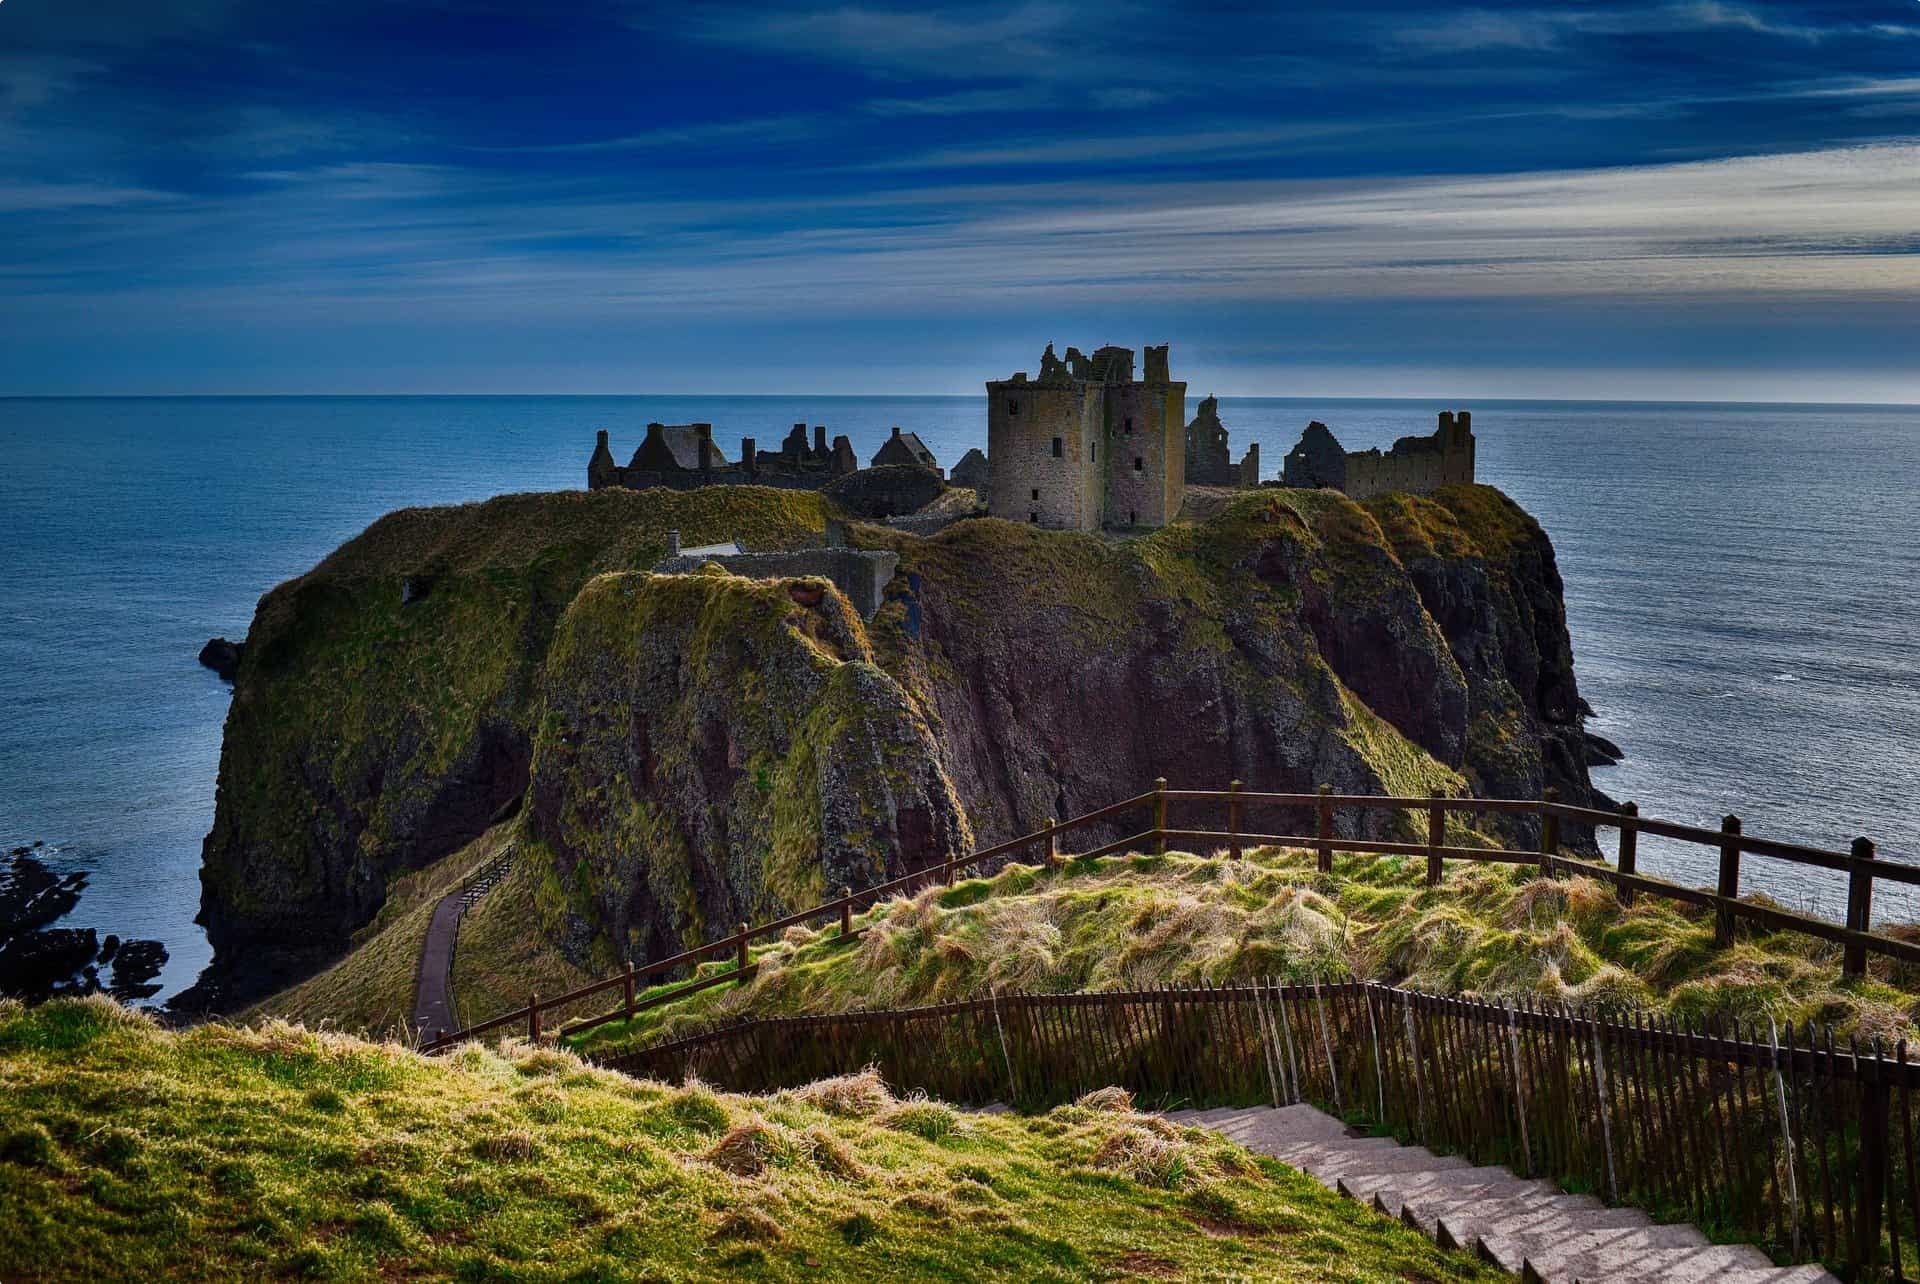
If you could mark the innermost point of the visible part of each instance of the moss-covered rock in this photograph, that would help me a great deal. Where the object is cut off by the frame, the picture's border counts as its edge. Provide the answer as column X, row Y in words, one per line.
column 717, row 749
column 383, row 712
column 1291, row 639
column 705, row 749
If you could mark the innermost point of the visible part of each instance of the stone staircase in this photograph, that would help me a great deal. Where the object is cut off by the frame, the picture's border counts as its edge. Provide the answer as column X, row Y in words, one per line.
column 1528, row 1227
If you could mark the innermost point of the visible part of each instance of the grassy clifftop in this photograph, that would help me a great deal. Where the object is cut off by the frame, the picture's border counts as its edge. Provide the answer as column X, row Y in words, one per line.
column 127, row 1152
column 1487, row 931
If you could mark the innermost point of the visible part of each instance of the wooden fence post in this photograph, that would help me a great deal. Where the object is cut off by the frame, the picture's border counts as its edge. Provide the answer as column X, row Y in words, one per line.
column 846, row 911
column 1436, row 836
column 1233, row 818
column 1160, row 815
column 1549, row 831
column 626, row 990
column 533, row 1017
column 1874, row 1104
column 740, row 955
column 1053, row 843
column 1629, row 848
column 1729, row 888
column 1859, row 905
column 1325, row 829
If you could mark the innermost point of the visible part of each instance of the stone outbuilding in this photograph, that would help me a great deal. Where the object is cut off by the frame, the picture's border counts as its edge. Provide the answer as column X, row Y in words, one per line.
column 972, row 472
column 905, row 448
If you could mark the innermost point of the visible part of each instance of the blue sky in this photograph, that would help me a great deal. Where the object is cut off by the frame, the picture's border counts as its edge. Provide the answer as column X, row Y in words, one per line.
column 1639, row 200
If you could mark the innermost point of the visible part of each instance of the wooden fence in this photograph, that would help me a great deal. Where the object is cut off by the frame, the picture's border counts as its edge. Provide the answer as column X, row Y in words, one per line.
column 575, row 1011
column 1779, row 1138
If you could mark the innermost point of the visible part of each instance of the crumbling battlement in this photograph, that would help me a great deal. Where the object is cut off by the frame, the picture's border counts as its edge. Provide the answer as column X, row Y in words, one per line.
column 1415, row 465
column 1210, row 457
column 1086, row 445
column 684, row 457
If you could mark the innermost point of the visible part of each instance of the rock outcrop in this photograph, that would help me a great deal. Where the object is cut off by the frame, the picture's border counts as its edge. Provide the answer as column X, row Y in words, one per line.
column 1295, row 639
column 385, row 711
column 717, row 749
column 698, row 749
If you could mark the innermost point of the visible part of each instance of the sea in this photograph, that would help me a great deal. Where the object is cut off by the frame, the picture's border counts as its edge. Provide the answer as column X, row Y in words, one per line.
column 1743, row 591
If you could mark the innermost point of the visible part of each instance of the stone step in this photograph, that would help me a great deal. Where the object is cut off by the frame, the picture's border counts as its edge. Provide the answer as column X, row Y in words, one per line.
column 1738, row 1275
column 1678, row 1254
column 1363, row 1186
column 1530, row 1219
column 1394, row 1202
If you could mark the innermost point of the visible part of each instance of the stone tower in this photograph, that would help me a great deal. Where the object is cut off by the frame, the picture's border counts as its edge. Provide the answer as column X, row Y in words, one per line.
column 1086, row 445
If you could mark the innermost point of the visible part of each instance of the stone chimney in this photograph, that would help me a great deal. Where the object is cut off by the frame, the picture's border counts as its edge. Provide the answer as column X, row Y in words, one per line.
column 747, row 456
column 820, row 439
column 673, row 543
column 896, row 430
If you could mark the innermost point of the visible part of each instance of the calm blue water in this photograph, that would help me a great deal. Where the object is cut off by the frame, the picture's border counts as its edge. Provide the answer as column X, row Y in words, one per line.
column 1741, row 582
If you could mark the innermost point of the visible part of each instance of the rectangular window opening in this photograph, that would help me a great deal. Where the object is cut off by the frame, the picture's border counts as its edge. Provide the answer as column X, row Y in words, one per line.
column 1034, row 518
column 1139, row 464
column 1013, row 408
column 1036, row 494
column 1056, row 448
column 1093, row 450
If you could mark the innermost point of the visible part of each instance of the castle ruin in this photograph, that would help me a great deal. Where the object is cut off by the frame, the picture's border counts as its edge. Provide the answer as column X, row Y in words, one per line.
column 1415, row 464
column 1085, row 445
column 1210, row 458
column 684, row 457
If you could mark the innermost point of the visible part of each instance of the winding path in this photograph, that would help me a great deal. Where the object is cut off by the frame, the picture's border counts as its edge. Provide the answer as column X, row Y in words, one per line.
column 433, row 982
column 433, row 985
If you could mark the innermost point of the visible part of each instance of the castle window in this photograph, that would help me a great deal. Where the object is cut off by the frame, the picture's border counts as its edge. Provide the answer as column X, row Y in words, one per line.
column 1133, row 517
column 1056, row 448
column 1036, row 494
column 1013, row 408
column 1139, row 464
column 1034, row 518
column 1129, row 422
column 1093, row 450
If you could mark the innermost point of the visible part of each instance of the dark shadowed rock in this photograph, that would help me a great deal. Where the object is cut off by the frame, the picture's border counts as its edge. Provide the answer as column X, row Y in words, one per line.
column 32, row 896
column 223, row 657
column 1601, row 752
column 135, row 965
column 35, row 964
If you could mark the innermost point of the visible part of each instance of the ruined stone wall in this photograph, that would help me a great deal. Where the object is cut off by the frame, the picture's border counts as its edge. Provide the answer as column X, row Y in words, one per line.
column 1146, row 472
column 861, row 574
column 1044, row 440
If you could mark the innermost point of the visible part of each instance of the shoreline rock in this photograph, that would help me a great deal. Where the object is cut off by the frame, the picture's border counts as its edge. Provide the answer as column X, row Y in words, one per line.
column 223, row 657
column 38, row 961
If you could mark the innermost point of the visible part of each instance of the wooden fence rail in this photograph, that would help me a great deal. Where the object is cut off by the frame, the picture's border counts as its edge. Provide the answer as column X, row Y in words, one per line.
column 1777, row 1137
column 1862, row 867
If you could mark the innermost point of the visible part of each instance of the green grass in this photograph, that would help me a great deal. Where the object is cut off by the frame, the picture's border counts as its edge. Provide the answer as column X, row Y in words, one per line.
column 1489, row 931
column 129, row 1152
column 371, row 988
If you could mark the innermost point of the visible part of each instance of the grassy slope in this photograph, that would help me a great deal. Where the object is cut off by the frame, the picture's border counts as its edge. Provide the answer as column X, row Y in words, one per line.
column 343, row 683
column 1492, row 931
column 129, row 1152
column 507, row 942
column 372, row 987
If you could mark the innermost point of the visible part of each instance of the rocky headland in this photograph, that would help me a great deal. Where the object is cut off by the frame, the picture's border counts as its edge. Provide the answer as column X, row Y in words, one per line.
column 699, row 749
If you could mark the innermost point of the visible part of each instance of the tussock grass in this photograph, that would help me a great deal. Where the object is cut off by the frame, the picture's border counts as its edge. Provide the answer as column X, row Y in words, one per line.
column 132, row 1152
column 1494, row 932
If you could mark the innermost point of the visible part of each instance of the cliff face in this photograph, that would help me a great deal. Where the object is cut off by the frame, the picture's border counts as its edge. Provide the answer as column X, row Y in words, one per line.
column 384, row 708
column 1294, row 639
column 703, row 749
column 717, row 749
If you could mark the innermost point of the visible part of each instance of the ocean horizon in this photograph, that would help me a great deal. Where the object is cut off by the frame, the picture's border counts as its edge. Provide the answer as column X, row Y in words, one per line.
column 1739, row 582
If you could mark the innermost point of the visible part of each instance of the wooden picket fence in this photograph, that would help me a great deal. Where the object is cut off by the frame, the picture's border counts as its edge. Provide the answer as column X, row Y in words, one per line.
column 596, row 1004
column 1779, row 1138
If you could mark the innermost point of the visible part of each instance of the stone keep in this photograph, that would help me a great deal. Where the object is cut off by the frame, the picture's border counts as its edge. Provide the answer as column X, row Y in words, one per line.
column 1086, row 445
